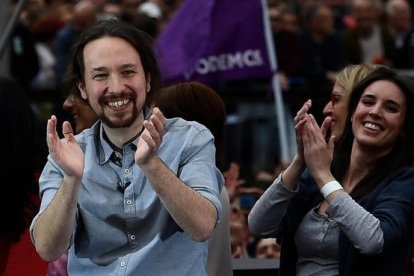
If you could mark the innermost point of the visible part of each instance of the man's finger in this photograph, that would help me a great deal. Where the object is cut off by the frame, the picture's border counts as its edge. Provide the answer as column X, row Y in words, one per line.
column 68, row 132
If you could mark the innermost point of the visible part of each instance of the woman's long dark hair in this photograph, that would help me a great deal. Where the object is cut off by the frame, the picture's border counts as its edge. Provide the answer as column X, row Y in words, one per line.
column 23, row 154
column 402, row 153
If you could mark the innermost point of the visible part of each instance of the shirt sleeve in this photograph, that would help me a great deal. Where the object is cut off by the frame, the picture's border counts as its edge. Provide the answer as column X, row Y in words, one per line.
column 266, row 215
column 199, row 171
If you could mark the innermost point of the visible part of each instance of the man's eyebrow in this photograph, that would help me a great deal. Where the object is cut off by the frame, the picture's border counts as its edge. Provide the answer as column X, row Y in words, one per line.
column 123, row 66
column 127, row 66
column 101, row 68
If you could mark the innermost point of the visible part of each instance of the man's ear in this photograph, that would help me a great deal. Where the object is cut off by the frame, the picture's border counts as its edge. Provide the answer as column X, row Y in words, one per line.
column 81, row 87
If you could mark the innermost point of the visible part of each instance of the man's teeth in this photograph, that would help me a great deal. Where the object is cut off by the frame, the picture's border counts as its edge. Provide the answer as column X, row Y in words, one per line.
column 118, row 103
column 372, row 126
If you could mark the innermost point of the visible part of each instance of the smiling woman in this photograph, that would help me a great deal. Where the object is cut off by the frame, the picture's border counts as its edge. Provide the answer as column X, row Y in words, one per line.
column 361, row 196
column 379, row 116
column 385, row 100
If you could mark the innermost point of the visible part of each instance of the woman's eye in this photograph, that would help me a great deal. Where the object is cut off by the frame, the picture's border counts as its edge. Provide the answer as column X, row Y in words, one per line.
column 391, row 108
column 367, row 102
column 335, row 99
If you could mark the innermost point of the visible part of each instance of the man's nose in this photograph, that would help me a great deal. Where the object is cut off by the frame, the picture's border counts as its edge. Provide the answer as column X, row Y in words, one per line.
column 116, row 84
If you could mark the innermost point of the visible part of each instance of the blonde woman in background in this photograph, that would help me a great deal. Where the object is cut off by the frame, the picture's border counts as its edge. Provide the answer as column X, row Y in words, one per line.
column 345, row 81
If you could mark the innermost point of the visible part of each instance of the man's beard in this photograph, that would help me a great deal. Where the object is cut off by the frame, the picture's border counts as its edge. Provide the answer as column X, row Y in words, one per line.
column 121, row 122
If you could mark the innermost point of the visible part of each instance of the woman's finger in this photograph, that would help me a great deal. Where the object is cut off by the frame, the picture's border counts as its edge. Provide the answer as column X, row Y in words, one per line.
column 326, row 124
column 305, row 108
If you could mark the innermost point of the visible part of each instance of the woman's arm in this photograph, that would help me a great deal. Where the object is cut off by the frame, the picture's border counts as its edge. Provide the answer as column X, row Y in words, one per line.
column 266, row 215
column 361, row 227
column 390, row 216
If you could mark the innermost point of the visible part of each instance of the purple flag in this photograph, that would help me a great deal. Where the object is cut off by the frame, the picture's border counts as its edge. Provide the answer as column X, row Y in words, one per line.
column 222, row 40
column 214, row 40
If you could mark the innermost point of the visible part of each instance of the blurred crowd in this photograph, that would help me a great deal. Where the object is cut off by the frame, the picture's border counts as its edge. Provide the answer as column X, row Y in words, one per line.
column 314, row 39
column 41, row 41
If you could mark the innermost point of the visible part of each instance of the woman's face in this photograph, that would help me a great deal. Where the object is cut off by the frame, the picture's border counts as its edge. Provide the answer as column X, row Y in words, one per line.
column 379, row 117
column 81, row 111
column 337, row 109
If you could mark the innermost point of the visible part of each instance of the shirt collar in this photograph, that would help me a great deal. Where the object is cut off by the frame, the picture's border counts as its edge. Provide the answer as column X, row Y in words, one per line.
column 104, row 149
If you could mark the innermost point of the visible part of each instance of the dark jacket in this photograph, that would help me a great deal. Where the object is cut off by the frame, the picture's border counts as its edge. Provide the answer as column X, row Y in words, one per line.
column 392, row 202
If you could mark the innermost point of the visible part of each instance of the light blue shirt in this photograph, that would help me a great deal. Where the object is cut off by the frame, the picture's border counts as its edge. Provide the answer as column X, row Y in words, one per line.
column 131, row 232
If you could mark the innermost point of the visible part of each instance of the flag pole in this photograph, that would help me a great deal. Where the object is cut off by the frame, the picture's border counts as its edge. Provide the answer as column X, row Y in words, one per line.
column 10, row 25
column 277, row 91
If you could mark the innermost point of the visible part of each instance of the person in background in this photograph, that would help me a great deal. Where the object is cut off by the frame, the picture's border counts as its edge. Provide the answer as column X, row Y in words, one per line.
column 44, row 30
column 149, row 182
column 360, row 200
column 267, row 249
column 83, row 115
column 194, row 101
column 369, row 41
column 24, row 156
column 399, row 23
column 24, row 60
column 241, row 237
column 345, row 81
column 84, row 14
column 286, row 33
column 322, row 56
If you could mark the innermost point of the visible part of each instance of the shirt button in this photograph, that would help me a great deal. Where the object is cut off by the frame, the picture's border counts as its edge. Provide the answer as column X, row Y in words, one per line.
column 132, row 237
column 126, row 171
column 129, row 202
column 123, row 263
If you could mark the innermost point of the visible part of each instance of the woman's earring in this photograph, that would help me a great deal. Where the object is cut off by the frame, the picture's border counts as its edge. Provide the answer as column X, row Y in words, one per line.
column 148, row 87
